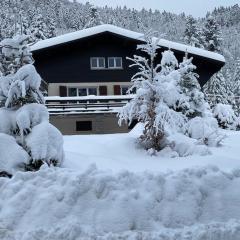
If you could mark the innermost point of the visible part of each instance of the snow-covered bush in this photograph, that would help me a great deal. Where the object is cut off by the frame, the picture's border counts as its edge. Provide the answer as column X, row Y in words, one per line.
column 23, row 116
column 185, row 146
column 44, row 144
column 21, row 87
column 205, row 130
column 226, row 116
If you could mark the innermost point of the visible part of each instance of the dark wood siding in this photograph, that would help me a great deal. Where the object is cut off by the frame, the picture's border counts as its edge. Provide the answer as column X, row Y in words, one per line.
column 70, row 62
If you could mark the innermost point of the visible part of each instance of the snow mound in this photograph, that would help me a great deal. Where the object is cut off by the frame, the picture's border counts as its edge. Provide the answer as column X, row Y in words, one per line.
column 46, row 142
column 185, row 146
column 7, row 121
column 99, row 203
column 11, row 159
column 215, row 231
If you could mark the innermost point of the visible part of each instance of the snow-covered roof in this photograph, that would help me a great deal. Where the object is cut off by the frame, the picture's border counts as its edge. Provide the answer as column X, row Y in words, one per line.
column 126, row 33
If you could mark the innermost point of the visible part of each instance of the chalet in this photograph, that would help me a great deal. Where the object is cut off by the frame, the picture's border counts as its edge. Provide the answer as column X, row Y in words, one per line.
column 92, row 62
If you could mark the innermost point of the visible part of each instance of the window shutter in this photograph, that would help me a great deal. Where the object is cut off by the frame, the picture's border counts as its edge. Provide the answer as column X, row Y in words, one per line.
column 63, row 91
column 117, row 90
column 103, row 90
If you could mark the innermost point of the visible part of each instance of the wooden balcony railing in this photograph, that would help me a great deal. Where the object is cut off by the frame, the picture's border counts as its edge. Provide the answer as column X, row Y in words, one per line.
column 88, row 104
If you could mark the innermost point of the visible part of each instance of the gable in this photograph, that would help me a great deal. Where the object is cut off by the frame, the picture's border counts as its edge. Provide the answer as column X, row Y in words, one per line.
column 69, row 61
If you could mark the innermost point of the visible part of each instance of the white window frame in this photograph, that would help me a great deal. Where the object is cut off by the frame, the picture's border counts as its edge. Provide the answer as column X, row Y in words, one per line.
column 115, row 67
column 85, row 88
column 97, row 58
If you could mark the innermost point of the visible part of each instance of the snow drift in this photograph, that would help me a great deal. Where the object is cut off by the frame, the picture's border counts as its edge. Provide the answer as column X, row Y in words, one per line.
column 200, row 203
column 11, row 158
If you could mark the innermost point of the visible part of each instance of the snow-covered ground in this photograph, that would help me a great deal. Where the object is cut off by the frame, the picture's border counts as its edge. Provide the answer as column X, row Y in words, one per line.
column 120, row 152
column 108, row 189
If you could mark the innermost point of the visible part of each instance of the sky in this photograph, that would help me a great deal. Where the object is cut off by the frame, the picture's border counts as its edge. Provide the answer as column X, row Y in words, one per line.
column 197, row 8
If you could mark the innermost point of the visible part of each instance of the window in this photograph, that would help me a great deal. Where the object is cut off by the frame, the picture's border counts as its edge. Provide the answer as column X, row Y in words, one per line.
column 81, row 92
column 82, row 126
column 92, row 91
column 114, row 62
column 72, row 92
column 97, row 63
column 124, row 90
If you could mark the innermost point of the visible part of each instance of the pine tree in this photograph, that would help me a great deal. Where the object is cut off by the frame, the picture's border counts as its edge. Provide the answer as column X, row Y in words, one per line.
column 191, row 87
column 38, row 29
column 94, row 18
column 218, row 90
column 212, row 35
column 15, row 53
column 201, row 124
column 51, row 28
column 192, row 34
column 157, row 96
column 236, row 78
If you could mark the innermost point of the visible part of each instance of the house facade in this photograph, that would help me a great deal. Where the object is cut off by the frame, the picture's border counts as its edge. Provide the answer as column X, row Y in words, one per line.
column 94, row 62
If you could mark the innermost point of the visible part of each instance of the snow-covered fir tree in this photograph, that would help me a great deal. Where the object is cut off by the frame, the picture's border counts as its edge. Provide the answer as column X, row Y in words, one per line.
column 236, row 78
column 15, row 53
column 38, row 29
column 193, row 34
column 218, row 90
column 153, row 104
column 191, row 87
column 212, row 35
column 51, row 28
column 201, row 124
column 94, row 18
column 24, row 120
